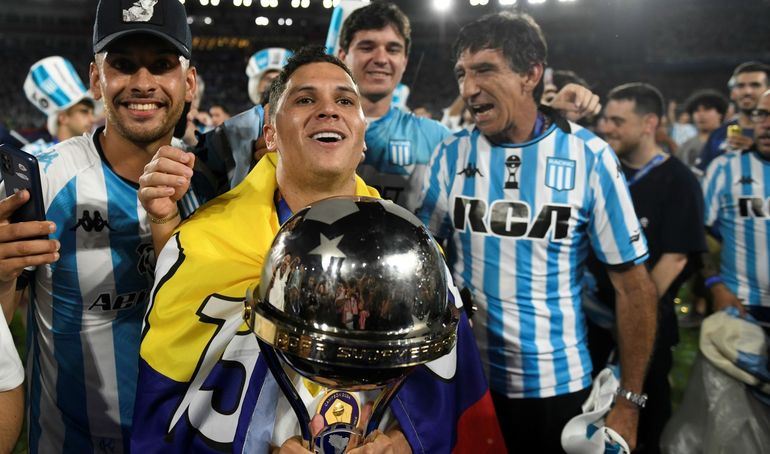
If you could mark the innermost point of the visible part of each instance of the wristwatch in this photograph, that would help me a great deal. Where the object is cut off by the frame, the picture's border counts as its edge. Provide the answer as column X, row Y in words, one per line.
column 640, row 400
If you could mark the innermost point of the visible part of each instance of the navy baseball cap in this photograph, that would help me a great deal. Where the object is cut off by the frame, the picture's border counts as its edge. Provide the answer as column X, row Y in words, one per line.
column 165, row 19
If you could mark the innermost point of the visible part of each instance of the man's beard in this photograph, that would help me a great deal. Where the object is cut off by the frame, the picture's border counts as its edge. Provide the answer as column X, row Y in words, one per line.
column 144, row 136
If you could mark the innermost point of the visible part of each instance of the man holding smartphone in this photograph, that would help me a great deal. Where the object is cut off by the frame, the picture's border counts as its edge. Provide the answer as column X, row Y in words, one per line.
column 93, row 274
column 748, row 82
column 735, row 192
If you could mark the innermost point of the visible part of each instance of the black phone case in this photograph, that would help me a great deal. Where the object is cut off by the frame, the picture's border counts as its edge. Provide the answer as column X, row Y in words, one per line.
column 20, row 171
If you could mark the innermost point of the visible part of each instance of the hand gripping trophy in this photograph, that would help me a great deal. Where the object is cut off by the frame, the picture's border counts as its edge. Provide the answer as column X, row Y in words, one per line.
column 353, row 296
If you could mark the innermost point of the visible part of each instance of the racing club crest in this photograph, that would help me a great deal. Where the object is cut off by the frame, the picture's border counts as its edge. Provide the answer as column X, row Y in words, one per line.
column 560, row 174
column 400, row 152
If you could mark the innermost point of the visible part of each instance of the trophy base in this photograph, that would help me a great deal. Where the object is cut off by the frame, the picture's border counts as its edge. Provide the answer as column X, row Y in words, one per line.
column 336, row 438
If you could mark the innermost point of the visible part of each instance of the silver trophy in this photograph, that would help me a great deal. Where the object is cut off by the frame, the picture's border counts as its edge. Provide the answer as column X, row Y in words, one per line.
column 353, row 296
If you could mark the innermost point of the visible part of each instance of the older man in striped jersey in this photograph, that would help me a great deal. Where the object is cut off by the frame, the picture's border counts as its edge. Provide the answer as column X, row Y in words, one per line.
column 520, row 199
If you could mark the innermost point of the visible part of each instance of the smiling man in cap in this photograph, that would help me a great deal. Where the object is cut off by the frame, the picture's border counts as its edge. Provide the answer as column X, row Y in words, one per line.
column 94, row 272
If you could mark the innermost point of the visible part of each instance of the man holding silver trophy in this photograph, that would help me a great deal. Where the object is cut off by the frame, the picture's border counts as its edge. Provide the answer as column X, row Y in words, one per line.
column 352, row 297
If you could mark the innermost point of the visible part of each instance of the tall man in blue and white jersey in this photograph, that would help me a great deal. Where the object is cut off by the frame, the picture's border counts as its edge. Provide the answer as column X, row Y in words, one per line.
column 748, row 82
column 736, row 190
column 374, row 43
column 668, row 202
column 520, row 198
column 95, row 270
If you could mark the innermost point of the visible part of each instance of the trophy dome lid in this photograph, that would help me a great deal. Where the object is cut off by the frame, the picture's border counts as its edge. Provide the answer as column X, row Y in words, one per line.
column 354, row 287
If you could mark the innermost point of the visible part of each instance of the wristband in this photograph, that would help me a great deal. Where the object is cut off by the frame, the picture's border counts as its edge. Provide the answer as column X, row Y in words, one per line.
column 712, row 281
column 163, row 220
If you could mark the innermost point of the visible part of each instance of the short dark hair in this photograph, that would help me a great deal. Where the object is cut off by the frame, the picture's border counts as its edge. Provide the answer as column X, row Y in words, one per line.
column 753, row 67
column 562, row 77
column 647, row 98
column 304, row 56
column 224, row 109
column 709, row 99
column 376, row 16
column 517, row 35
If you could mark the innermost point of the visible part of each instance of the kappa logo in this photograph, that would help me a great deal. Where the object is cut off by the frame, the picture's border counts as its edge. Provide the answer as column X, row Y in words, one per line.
column 90, row 224
column 470, row 171
column 140, row 11
column 636, row 236
column 745, row 179
column 46, row 159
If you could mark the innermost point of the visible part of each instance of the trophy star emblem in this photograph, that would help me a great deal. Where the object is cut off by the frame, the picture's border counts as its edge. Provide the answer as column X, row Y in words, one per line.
column 328, row 250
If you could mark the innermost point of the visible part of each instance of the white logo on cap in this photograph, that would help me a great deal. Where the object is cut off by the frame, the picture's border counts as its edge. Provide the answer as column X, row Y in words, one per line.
column 141, row 11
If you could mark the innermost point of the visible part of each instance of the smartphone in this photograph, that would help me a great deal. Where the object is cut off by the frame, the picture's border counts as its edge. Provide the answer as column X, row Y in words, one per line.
column 20, row 171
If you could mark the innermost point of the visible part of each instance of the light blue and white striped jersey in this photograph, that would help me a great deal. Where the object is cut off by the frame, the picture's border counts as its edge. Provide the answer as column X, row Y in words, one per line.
column 87, row 308
column 38, row 149
column 398, row 148
column 736, row 190
column 520, row 219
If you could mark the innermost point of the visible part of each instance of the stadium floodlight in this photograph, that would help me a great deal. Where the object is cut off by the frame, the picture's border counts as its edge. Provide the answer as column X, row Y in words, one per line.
column 207, row 20
column 304, row 3
column 507, row 2
column 246, row 3
column 264, row 3
column 274, row 3
column 295, row 3
column 280, row 21
column 327, row 4
column 181, row 1
column 289, row 21
column 536, row 2
column 442, row 5
column 204, row 2
column 214, row 2
column 262, row 21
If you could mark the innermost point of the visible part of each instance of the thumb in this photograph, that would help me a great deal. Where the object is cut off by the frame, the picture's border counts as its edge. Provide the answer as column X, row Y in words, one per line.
column 366, row 413
column 316, row 425
column 191, row 162
column 11, row 203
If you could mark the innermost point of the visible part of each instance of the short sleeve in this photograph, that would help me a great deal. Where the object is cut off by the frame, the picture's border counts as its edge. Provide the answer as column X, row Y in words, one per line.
column 616, row 236
column 11, row 370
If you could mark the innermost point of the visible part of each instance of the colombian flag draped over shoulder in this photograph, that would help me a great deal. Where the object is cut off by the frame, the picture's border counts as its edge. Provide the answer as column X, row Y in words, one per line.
column 200, row 372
